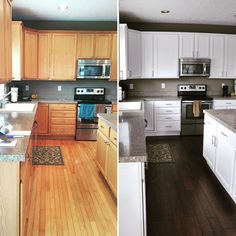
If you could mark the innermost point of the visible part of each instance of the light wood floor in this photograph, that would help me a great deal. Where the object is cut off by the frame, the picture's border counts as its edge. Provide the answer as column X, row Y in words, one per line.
column 72, row 199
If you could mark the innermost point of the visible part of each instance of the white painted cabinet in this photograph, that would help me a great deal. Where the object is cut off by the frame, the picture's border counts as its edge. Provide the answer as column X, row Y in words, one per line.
column 149, row 115
column 134, row 54
column 186, row 45
column 132, row 199
column 123, row 51
column 166, row 55
column 224, row 104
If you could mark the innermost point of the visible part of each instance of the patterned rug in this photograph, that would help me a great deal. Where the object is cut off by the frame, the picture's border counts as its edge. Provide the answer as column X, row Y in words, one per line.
column 159, row 153
column 46, row 155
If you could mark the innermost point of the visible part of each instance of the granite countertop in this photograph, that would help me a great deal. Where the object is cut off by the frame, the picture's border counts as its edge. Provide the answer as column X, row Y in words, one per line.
column 226, row 117
column 132, row 141
column 224, row 98
column 153, row 98
column 110, row 119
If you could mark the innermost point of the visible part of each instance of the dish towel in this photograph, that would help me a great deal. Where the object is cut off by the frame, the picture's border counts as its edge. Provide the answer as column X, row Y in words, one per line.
column 196, row 108
column 87, row 111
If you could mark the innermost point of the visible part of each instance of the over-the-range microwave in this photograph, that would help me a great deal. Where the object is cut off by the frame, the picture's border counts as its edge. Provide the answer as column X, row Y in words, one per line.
column 93, row 69
column 194, row 67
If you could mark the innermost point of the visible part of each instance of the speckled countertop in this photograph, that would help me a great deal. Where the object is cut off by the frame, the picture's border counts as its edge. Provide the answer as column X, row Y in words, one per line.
column 110, row 119
column 132, row 142
column 152, row 98
column 224, row 98
column 226, row 117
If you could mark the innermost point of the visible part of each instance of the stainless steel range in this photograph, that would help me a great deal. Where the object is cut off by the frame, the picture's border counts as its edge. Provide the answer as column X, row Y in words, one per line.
column 194, row 102
column 90, row 98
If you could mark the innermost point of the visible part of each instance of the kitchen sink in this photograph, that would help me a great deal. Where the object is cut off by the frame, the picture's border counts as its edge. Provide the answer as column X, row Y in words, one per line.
column 21, row 107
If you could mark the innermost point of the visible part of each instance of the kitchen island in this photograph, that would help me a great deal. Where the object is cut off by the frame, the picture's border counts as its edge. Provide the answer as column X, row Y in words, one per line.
column 219, row 146
column 132, row 159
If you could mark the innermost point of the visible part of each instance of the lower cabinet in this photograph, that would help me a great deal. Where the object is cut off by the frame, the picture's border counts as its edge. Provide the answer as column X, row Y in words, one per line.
column 42, row 118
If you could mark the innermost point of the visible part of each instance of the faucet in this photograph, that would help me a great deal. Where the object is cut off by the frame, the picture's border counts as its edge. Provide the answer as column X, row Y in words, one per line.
column 3, row 99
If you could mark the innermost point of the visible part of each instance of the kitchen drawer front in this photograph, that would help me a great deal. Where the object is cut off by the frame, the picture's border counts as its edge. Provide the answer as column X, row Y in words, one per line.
column 62, row 130
column 167, row 104
column 210, row 121
column 103, row 127
column 63, row 114
column 168, row 126
column 113, row 136
column 61, row 121
column 63, row 107
column 167, row 111
column 223, row 103
column 175, row 117
column 226, row 134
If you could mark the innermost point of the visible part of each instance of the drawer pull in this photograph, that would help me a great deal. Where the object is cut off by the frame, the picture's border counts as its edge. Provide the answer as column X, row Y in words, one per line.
column 228, row 103
column 168, row 111
column 101, row 126
column 224, row 134
column 168, row 126
column 168, row 118
column 115, row 139
column 169, row 104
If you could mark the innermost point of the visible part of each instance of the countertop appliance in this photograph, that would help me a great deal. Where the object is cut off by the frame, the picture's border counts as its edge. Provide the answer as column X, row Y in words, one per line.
column 93, row 69
column 194, row 102
column 14, row 94
column 225, row 90
column 86, row 129
column 194, row 67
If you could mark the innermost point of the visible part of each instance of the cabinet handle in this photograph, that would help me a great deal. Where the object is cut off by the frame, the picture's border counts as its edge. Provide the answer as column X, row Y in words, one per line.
column 222, row 73
column 224, row 134
column 168, row 118
column 101, row 127
column 121, row 74
column 197, row 53
column 215, row 141
column 106, row 142
column 168, row 111
column 193, row 54
column 115, row 139
column 152, row 73
column 130, row 73
column 228, row 103
column 169, row 104
column 168, row 126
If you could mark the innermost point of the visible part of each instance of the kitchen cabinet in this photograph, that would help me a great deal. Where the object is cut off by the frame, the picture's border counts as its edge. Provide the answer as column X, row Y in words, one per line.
column 17, row 50
column 103, row 46
column 63, row 56
column 123, row 49
column 41, row 117
column 6, row 41
column 132, row 199
column 224, row 104
column 113, row 75
column 134, row 54
column 149, row 115
column 85, row 45
column 166, row 55
column 62, row 119
column 44, row 54
column 30, row 54
column 194, row 45
column 114, row 107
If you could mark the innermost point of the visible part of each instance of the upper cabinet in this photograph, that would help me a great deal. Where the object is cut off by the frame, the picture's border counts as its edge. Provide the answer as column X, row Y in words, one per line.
column 113, row 75
column 6, row 41
column 30, row 54
column 123, row 51
column 85, row 45
column 103, row 46
column 230, row 56
column 194, row 45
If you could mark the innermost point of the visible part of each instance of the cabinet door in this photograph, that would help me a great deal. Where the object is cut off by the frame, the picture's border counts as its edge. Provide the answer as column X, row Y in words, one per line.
column 42, row 119
column 134, row 54
column 112, row 167
column 30, row 54
column 202, row 45
column 44, row 51
column 103, row 46
column 186, row 45
column 114, row 58
column 209, row 139
column 102, row 150
column 149, row 115
column 166, row 55
column 63, row 56
column 123, row 51
column 217, row 56
column 85, row 45
column 147, row 55
column 230, row 57
column 2, row 45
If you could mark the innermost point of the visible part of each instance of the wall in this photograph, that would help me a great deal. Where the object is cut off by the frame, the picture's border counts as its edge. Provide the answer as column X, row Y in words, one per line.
column 48, row 89
column 152, row 87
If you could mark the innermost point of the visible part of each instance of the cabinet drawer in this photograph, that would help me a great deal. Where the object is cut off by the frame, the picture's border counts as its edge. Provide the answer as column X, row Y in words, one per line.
column 62, row 129
column 63, row 114
column 166, row 104
column 226, row 135
column 167, row 110
column 103, row 127
column 209, row 121
column 168, row 117
column 113, row 136
column 61, row 121
column 63, row 107
column 167, row 126
column 226, row 103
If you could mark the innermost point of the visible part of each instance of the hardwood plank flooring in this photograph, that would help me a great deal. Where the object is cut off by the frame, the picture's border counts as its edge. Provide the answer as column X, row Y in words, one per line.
column 184, row 197
column 72, row 199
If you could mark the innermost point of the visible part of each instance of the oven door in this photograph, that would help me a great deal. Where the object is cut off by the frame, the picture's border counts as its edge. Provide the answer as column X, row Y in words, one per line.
column 187, row 116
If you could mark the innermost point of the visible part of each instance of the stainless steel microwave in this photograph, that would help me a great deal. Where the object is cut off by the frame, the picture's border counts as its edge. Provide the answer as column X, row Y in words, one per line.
column 93, row 69
column 194, row 67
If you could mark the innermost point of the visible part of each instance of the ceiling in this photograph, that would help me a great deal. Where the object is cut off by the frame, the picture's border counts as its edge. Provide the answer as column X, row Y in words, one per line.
column 78, row 10
column 214, row 12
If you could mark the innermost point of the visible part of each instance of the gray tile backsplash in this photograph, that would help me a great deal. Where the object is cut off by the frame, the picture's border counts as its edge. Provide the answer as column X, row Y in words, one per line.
column 152, row 87
column 48, row 89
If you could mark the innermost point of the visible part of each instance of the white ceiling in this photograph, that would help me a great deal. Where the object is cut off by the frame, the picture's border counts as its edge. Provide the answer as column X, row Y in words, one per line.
column 216, row 12
column 79, row 10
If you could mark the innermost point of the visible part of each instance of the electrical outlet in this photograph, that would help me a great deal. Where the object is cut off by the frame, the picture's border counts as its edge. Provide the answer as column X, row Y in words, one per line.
column 59, row 88
column 26, row 87
column 163, row 85
column 131, row 86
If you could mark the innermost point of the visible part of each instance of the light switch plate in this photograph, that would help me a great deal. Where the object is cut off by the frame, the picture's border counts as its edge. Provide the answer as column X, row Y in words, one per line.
column 59, row 88
column 26, row 87
column 163, row 85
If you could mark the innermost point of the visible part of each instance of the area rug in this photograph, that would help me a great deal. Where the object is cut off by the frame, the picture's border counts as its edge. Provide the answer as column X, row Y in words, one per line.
column 159, row 153
column 46, row 155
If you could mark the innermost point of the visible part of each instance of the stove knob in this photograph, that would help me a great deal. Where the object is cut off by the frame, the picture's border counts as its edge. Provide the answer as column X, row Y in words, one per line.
column 185, row 87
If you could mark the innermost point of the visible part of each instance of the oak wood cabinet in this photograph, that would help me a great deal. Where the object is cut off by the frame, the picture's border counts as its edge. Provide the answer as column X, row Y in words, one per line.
column 103, row 45
column 30, row 54
column 6, row 43
column 42, row 118
column 85, row 45
column 114, row 58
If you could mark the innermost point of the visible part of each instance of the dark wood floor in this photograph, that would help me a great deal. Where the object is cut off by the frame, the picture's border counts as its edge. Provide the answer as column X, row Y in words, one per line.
column 184, row 197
